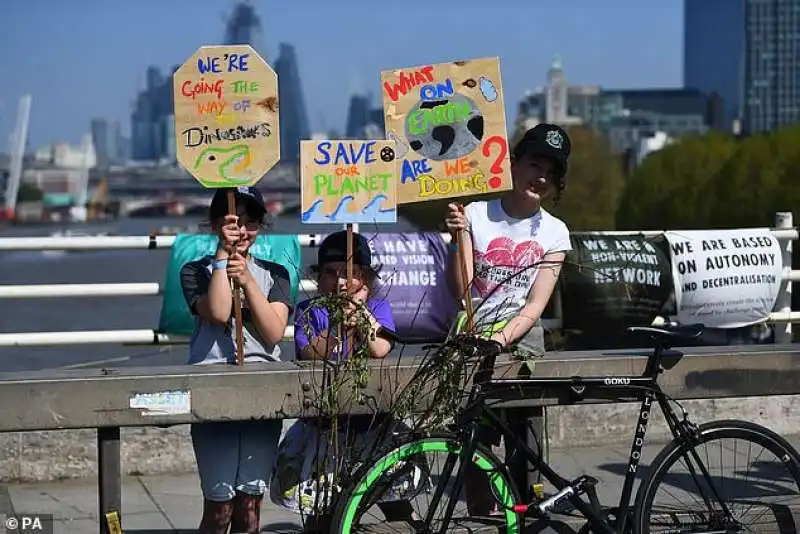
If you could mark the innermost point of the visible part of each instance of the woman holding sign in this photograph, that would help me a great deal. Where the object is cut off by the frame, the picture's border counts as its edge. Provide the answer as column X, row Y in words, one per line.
column 235, row 459
column 514, row 252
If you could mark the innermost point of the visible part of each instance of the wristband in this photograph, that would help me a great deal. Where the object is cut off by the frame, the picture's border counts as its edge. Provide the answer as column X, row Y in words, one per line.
column 220, row 264
column 453, row 246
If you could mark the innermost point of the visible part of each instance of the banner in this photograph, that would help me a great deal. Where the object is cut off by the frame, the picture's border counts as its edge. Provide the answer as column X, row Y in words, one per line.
column 612, row 282
column 725, row 278
column 413, row 280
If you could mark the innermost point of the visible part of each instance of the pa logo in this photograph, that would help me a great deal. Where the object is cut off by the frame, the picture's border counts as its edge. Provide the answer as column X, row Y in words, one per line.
column 554, row 139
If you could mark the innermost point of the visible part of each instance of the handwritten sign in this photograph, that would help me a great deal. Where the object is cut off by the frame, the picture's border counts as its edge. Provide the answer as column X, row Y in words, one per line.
column 612, row 282
column 348, row 181
column 226, row 116
column 725, row 278
column 449, row 124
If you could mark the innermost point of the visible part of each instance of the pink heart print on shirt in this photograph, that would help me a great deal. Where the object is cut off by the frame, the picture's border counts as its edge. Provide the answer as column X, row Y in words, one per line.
column 507, row 257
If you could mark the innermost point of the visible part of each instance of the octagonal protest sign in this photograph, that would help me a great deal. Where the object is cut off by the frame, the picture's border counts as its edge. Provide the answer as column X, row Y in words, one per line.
column 226, row 116
column 448, row 121
column 348, row 181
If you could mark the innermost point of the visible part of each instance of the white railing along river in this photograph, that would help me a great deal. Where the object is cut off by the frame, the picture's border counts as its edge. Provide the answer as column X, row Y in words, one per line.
column 783, row 314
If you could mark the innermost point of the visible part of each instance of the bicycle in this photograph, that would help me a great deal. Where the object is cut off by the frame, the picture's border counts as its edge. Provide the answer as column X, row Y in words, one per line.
column 460, row 444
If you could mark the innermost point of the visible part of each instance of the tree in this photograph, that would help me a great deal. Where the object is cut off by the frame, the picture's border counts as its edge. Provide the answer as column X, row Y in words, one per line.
column 664, row 192
column 787, row 148
column 594, row 183
column 757, row 181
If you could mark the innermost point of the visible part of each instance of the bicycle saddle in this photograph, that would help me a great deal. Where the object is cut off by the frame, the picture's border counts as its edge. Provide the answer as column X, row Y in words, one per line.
column 685, row 331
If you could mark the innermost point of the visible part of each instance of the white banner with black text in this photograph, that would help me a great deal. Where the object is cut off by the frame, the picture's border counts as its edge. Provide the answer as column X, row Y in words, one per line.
column 725, row 278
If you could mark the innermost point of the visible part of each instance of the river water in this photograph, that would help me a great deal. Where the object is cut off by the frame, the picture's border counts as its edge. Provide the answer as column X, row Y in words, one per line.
column 75, row 314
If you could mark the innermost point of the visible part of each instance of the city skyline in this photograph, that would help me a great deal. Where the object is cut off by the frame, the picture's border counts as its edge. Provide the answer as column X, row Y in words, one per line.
column 592, row 42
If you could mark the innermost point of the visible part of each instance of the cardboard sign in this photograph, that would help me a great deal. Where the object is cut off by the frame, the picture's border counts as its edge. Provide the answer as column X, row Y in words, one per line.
column 348, row 182
column 226, row 116
column 449, row 123
column 725, row 278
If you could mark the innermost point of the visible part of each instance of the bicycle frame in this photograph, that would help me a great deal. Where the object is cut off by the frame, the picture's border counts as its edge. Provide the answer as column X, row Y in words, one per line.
column 643, row 388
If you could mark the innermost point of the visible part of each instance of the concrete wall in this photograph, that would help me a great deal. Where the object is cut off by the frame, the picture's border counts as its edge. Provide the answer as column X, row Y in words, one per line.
column 44, row 456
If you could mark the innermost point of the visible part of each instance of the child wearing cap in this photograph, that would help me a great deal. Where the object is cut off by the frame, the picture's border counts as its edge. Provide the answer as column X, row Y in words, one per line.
column 514, row 252
column 313, row 336
column 235, row 459
column 293, row 486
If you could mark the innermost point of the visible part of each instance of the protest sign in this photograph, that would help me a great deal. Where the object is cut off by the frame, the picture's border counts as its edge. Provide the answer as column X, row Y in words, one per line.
column 412, row 279
column 226, row 116
column 725, row 278
column 448, row 121
column 226, row 126
column 348, row 182
column 612, row 282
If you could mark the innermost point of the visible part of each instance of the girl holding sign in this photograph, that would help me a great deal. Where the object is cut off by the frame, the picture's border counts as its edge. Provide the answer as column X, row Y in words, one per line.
column 235, row 459
column 514, row 252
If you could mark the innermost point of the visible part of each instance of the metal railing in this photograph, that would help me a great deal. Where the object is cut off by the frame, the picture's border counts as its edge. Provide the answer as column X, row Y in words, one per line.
column 109, row 399
column 782, row 314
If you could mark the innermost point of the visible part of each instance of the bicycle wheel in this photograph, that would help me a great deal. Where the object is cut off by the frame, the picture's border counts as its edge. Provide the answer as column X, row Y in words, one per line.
column 410, row 462
column 705, row 505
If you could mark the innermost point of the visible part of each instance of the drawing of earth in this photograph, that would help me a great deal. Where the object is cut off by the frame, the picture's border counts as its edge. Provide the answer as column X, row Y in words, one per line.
column 447, row 141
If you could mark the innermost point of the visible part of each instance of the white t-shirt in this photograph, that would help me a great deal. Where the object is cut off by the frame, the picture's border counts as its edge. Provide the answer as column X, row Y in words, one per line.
column 504, row 249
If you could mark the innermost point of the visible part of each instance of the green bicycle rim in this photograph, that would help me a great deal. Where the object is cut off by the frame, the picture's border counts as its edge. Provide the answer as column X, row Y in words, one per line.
column 430, row 445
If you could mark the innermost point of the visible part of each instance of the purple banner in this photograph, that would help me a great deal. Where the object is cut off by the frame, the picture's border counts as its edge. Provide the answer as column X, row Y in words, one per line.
column 412, row 271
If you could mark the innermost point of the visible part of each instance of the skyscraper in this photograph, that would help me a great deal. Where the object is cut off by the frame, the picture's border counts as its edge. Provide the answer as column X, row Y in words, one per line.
column 712, row 60
column 105, row 137
column 772, row 64
column 294, row 119
column 748, row 51
column 357, row 116
column 150, row 138
column 244, row 27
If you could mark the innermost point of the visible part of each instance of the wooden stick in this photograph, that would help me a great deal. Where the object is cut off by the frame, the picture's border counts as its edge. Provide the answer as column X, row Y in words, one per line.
column 349, row 349
column 349, row 257
column 462, row 274
column 237, row 298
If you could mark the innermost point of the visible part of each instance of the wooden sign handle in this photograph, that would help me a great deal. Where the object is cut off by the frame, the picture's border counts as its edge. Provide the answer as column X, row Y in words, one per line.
column 462, row 274
column 349, row 348
column 237, row 298
column 349, row 257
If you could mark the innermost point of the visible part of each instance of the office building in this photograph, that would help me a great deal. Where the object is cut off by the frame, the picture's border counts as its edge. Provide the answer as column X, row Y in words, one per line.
column 105, row 136
column 152, row 130
column 293, row 116
column 625, row 117
column 244, row 27
column 751, row 58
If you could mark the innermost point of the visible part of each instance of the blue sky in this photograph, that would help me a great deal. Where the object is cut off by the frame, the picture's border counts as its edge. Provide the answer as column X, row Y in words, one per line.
column 86, row 58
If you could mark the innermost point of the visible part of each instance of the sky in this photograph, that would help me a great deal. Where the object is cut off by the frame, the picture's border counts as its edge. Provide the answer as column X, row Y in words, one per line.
column 84, row 59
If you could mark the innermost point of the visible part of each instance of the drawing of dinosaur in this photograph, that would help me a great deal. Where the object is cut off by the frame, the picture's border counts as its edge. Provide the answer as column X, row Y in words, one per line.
column 232, row 165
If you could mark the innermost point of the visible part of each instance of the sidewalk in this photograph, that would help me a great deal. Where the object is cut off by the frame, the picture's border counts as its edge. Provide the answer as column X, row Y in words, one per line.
column 172, row 504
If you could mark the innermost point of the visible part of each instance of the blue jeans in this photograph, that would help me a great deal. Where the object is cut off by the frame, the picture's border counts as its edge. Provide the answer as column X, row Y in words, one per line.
column 235, row 456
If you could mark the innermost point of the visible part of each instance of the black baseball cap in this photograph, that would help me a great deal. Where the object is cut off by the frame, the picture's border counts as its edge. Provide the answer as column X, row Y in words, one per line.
column 334, row 248
column 247, row 196
column 548, row 141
